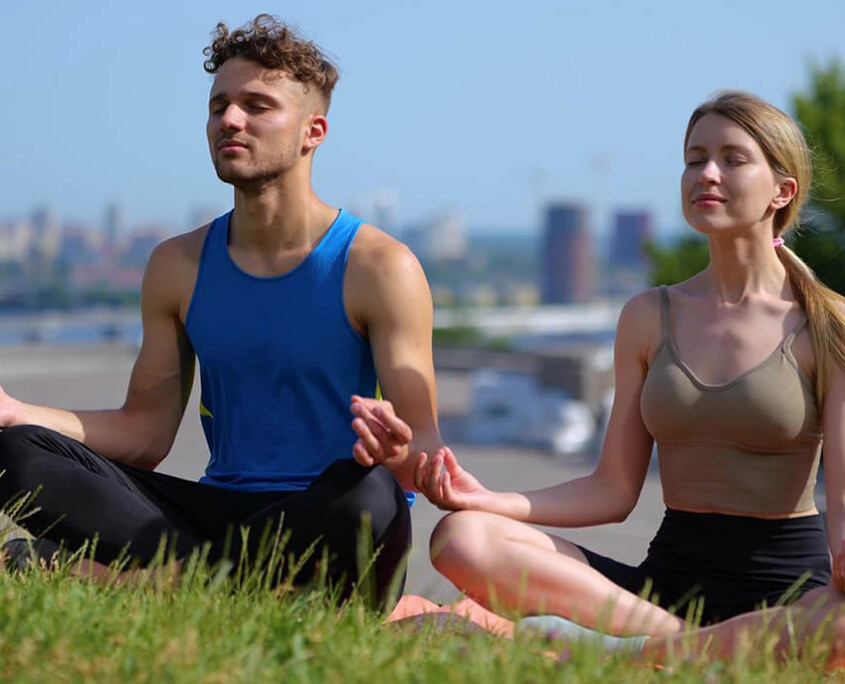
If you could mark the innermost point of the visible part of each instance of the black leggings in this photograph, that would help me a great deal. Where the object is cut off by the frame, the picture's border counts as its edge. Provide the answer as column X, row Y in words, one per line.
column 80, row 495
column 734, row 563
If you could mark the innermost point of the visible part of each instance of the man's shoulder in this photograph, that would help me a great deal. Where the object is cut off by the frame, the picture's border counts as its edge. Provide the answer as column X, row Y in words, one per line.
column 382, row 274
column 375, row 250
column 183, row 249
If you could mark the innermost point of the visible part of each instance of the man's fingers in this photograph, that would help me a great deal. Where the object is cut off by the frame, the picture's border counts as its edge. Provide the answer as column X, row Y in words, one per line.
column 381, row 434
column 361, row 455
column 366, row 437
column 400, row 429
column 381, row 411
column 363, row 411
column 384, row 424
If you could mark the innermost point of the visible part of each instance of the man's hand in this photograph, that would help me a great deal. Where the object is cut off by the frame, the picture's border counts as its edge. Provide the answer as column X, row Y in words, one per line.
column 447, row 485
column 382, row 435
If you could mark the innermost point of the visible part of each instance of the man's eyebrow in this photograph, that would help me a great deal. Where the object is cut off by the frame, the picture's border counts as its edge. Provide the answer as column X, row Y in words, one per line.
column 247, row 94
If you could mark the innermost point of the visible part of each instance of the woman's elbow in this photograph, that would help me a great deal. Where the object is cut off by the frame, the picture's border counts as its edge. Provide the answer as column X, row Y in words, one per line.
column 621, row 513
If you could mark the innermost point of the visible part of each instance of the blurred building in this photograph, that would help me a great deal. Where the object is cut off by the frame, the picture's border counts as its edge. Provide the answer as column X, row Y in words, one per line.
column 112, row 225
column 386, row 210
column 627, row 262
column 15, row 239
column 46, row 234
column 81, row 245
column 631, row 230
column 567, row 257
column 140, row 244
column 200, row 214
column 442, row 239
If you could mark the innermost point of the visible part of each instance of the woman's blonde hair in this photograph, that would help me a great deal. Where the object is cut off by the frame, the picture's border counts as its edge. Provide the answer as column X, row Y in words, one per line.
column 789, row 157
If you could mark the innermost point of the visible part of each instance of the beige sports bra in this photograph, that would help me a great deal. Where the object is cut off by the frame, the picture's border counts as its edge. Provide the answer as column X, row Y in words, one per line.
column 749, row 446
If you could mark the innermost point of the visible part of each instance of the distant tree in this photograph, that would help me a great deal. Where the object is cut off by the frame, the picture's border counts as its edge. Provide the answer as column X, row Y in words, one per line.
column 457, row 336
column 821, row 113
column 677, row 262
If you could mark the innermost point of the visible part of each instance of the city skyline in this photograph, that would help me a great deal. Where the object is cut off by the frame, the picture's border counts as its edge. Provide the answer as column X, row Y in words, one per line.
column 485, row 113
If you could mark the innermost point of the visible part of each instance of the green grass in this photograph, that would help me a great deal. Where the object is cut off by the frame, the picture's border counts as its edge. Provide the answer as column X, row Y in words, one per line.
column 242, row 626
column 57, row 628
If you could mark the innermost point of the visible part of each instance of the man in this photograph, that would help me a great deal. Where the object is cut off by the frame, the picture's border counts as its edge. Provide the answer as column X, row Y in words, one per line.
column 291, row 307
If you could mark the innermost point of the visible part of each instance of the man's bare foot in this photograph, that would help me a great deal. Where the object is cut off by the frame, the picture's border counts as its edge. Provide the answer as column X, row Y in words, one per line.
column 20, row 555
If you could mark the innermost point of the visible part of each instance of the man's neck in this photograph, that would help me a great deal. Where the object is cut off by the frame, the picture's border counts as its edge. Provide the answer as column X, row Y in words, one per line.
column 281, row 216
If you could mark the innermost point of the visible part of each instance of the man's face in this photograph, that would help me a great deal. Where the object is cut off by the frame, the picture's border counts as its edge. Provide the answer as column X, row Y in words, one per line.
column 260, row 123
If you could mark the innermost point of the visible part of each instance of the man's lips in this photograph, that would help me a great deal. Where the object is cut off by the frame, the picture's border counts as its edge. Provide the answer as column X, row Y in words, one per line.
column 230, row 145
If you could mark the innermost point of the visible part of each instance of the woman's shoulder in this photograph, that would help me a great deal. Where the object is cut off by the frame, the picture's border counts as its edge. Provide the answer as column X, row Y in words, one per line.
column 644, row 305
column 639, row 328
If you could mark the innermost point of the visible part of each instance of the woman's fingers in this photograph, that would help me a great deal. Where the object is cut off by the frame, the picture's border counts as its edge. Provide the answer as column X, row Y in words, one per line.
column 419, row 472
column 433, row 473
column 446, row 485
column 450, row 460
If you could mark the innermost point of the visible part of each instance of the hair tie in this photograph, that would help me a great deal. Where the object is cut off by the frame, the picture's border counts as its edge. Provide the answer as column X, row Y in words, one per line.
column 778, row 241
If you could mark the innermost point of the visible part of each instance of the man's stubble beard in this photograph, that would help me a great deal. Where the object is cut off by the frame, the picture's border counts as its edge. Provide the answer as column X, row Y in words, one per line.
column 253, row 180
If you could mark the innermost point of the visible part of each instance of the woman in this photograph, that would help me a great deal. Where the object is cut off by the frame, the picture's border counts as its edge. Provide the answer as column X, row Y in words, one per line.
column 736, row 373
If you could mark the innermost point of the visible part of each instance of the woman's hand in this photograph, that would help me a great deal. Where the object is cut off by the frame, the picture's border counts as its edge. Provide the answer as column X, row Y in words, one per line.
column 446, row 484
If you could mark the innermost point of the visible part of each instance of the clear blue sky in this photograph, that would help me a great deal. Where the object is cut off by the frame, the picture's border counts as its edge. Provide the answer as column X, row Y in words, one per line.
column 479, row 107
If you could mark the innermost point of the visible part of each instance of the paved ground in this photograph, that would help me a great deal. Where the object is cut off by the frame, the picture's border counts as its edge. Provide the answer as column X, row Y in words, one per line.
column 96, row 377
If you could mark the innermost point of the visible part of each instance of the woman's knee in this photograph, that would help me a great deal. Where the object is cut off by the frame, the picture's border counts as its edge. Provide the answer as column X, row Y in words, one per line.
column 458, row 540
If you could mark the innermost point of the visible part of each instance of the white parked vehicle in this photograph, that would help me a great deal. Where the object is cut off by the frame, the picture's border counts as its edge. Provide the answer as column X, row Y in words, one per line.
column 512, row 408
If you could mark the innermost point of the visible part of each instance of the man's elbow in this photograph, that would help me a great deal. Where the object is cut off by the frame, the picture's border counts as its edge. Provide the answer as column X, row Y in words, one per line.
column 148, row 460
column 149, row 448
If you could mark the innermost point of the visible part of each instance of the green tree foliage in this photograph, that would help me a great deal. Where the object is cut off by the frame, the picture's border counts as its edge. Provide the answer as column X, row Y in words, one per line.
column 821, row 113
column 675, row 263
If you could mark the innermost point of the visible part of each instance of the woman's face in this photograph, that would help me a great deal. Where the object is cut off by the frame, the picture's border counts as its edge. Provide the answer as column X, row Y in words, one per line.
column 727, row 182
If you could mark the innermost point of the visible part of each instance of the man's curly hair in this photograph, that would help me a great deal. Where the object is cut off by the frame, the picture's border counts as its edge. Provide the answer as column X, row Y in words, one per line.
column 271, row 43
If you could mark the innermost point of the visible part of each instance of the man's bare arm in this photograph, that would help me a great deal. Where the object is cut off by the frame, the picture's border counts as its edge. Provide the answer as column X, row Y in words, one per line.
column 388, row 298
column 141, row 431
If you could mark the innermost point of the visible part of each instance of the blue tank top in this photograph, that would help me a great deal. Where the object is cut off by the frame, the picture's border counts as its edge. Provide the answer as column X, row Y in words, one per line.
column 278, row 361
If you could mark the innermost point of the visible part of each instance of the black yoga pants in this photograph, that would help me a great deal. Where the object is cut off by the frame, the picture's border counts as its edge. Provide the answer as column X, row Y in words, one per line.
column 723, row 565
column 79, row 495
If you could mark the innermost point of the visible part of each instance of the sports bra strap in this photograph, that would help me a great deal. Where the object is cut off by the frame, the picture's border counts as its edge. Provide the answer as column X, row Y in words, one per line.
column 664, row 311
column 787, row 341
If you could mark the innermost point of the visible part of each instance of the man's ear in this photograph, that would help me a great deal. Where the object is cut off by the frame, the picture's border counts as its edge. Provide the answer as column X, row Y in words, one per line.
column 316, row 131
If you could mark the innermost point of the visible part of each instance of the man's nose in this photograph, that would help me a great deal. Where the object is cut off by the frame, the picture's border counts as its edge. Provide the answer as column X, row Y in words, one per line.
column 232, row 118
